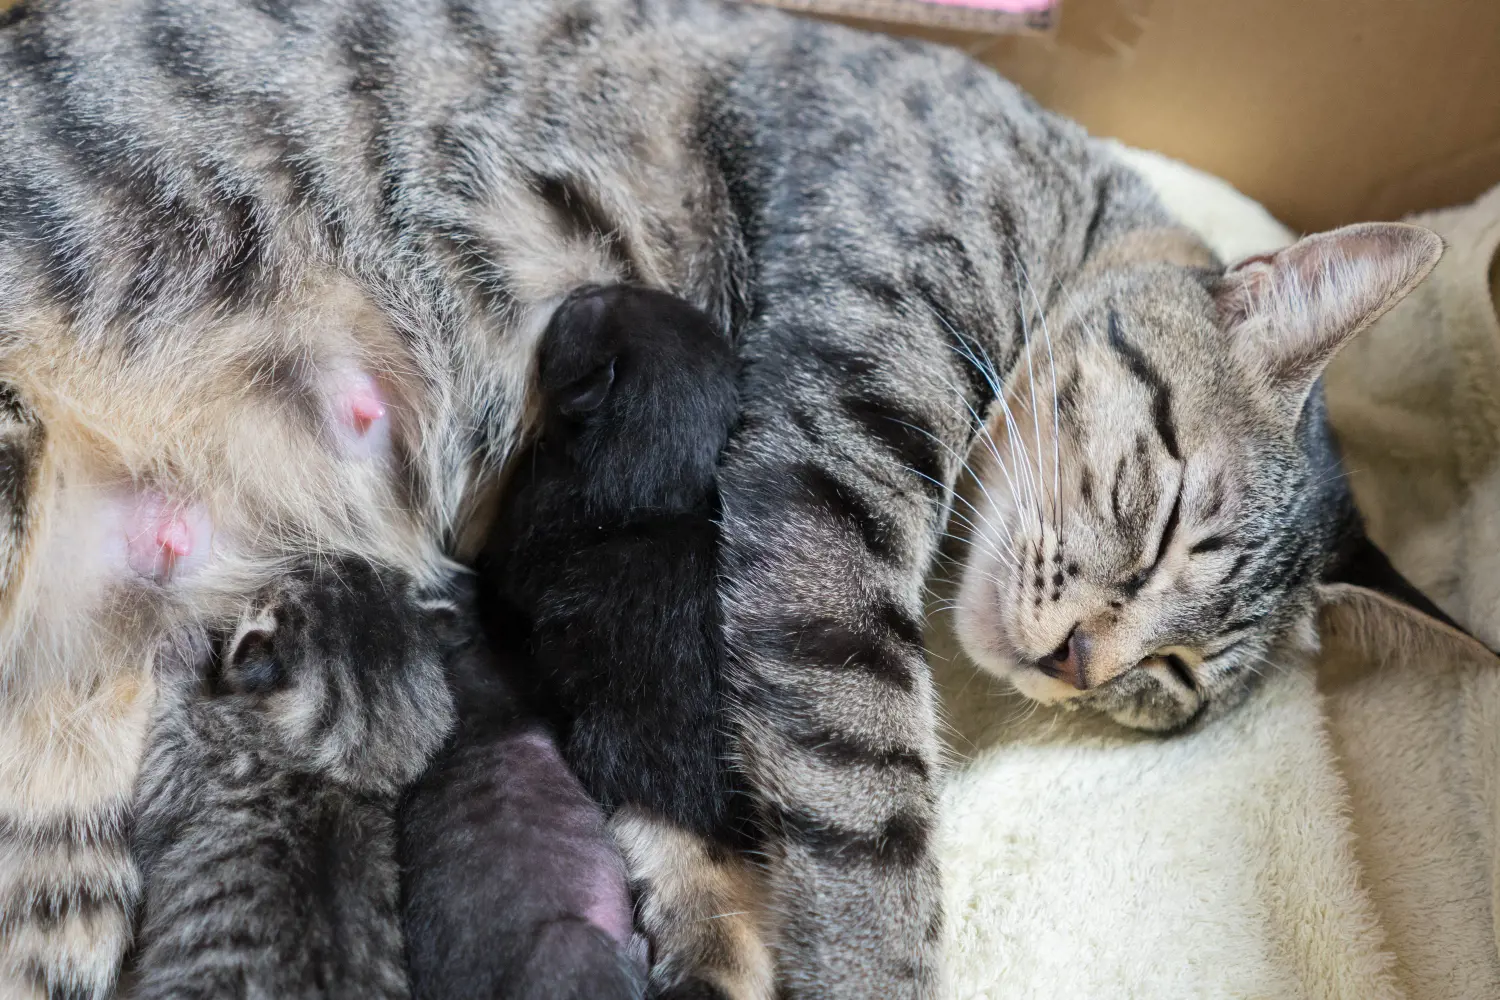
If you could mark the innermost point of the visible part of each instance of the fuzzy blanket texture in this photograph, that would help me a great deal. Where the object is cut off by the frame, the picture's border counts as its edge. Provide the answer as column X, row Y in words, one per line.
column 1333, row 838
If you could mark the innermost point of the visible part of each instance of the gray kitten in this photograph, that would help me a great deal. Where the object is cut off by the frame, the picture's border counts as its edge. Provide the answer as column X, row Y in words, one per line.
column 233, row 232
column 265, row 826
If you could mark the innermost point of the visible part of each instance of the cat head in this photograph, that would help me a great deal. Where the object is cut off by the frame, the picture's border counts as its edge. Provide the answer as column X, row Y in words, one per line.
column 344, row 661
column 1161, row 506
column 638, row 390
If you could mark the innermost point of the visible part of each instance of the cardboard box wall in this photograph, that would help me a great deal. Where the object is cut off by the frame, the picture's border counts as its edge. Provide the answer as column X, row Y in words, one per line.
column 1326, row 111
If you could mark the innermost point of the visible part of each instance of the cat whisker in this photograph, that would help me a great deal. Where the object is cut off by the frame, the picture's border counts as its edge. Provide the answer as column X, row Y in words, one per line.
column 1012, row 432
column 997, row 529
column 1057, row 509
column 987, row 369
column 1036, row 422
column 995, row 454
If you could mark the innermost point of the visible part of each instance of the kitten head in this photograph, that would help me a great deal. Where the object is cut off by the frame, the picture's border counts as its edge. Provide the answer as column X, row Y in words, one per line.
column 638, row 390
column 1147, row 534
column 345, row 660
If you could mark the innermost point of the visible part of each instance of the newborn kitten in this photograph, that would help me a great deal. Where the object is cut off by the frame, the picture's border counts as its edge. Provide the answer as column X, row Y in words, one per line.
column 607, row 545
column 266, row 804
column 513, row 889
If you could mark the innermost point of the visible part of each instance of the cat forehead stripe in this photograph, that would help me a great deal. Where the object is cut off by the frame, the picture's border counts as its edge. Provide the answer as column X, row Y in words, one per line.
column 1161, row 395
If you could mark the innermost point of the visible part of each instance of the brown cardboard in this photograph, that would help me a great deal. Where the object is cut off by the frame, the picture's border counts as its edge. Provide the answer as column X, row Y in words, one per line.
column 1327, row 111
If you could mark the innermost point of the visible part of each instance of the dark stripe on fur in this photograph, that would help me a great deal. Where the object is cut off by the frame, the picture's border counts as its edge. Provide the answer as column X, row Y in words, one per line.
column 32, row 218
column 581, row 216
column 828, row 493
column 1240, row 562
column 846, row 751
column 905, row 626
column 1114, row 496
column 829, row 644
column 1167, row 531
column 105, row 830
column 1161, row 393
column 902, row 432
column 901, row 840
column 969, row 354
column 1212, row 543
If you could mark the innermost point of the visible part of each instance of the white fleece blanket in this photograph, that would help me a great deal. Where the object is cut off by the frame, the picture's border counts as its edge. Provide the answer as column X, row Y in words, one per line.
column 1334, row 837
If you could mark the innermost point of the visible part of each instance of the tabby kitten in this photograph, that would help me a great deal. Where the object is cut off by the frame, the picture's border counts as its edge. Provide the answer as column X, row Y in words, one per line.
column 606, row 546
column 271, row 276
column 265, row 826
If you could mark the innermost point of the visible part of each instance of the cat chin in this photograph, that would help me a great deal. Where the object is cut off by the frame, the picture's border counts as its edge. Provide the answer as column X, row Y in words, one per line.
column 1147, row 698
column 1150, row 700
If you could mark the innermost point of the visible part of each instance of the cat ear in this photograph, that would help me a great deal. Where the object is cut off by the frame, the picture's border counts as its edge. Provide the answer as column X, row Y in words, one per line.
column 587, row 394
column 249, row 661
column 1290, row 311
column 1369, row 604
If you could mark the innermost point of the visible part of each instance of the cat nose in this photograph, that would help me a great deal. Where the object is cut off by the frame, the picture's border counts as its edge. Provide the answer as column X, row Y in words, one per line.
column 1070, row 660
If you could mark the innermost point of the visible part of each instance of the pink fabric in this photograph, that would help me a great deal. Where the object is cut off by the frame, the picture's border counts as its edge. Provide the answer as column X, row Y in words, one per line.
column 1009, row 6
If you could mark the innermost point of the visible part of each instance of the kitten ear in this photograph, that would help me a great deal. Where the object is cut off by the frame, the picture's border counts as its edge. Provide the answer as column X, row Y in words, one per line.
column 250, row 664
column 588, row 393
column 1368, row 603
column 1290, row 311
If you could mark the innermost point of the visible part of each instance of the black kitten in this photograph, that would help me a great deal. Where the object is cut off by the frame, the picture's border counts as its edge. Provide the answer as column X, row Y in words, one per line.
column 607, row 547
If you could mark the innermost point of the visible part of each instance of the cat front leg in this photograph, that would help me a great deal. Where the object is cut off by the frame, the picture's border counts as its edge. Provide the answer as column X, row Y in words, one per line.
column 833, row 496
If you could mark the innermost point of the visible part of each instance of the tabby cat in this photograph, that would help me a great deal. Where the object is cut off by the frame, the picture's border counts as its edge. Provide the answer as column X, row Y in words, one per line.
column 266, row 811
column 271, row 273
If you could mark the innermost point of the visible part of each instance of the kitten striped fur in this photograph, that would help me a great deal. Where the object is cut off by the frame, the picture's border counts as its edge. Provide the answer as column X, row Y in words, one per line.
column 265, row 825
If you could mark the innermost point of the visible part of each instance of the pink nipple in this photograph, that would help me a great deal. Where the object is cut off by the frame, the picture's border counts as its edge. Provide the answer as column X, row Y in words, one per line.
column 160, row 537
column 365, row 408
column 175, row 538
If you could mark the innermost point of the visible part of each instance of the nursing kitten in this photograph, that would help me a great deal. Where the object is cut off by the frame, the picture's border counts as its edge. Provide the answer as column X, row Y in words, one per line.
column 271, row 276
column 606, row 545
column 511, row 885
column 265, row 825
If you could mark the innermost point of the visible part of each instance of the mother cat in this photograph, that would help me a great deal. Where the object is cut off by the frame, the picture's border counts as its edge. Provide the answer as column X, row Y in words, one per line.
column 270, row 276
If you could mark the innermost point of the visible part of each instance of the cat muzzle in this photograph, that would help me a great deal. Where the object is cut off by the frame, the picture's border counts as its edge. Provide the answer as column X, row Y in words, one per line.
column 1070, row 660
